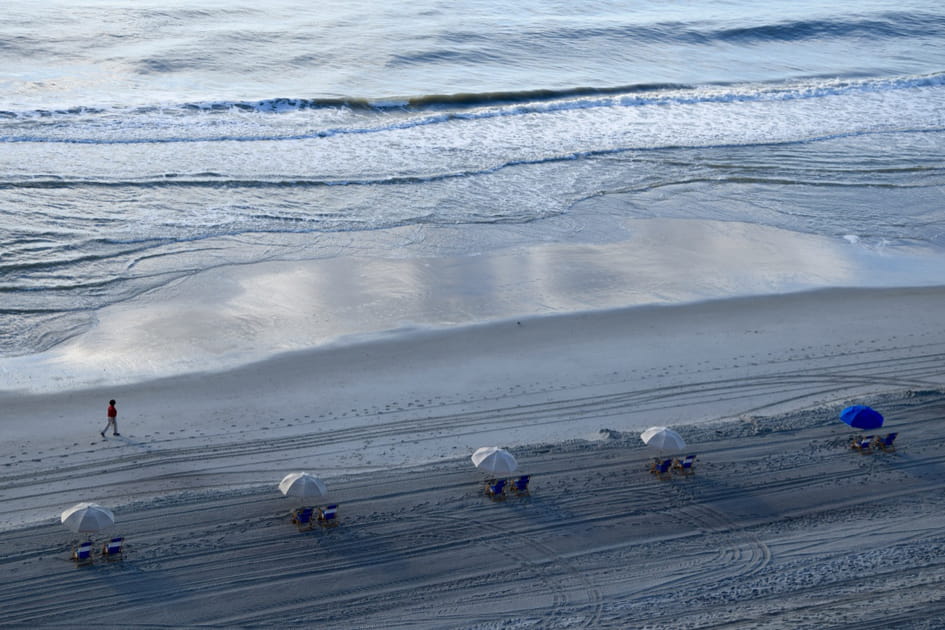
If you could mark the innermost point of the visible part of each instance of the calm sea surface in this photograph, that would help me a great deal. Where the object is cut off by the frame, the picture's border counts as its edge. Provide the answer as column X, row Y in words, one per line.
column 141, row 142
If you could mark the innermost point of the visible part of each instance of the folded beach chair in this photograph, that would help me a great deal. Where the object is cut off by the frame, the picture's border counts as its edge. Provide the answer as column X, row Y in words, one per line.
column 886, row 443
column 496, row 490
column 112, row 550
column 685, row 466
column 520, row 485
column 328, row 517
column 304, row 518
column 83, row 553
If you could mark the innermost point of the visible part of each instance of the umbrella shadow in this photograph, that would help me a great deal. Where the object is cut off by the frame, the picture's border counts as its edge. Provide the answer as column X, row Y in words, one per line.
column 127, row 581
column 711, row 502
column 123, row 580
column 357, row 541
column 919, row 468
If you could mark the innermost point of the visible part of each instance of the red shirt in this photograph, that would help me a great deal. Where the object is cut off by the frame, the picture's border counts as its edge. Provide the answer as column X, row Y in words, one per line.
column 112, row 412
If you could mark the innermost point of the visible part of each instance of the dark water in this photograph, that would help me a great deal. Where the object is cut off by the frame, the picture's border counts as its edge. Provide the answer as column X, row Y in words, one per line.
column 141, row 143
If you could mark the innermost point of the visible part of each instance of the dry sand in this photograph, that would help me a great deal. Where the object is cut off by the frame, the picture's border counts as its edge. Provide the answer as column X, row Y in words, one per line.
column 782, row 526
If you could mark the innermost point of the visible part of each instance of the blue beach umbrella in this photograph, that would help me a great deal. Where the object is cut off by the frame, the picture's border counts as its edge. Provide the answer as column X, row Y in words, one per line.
column 862, row 417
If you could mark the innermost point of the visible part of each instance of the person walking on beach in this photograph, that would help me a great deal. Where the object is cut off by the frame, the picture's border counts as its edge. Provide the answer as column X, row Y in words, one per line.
column 112, row 415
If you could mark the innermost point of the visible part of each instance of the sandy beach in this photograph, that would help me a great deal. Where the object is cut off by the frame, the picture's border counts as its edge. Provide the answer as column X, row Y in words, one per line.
column 367, row 240
column 781, row 526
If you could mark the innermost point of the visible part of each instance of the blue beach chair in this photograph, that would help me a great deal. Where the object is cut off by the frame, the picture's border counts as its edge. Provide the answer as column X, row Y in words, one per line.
column 83, row 553
column 328, row 517
column 304, row 518
column 496, row 490
column 863, row 445
column 886, row 443
column 520, row 485
column 685, row 466
column 113, row 549
column 661, row 468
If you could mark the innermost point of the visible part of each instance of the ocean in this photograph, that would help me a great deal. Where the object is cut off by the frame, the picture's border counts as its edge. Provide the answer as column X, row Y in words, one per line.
column 142, row 143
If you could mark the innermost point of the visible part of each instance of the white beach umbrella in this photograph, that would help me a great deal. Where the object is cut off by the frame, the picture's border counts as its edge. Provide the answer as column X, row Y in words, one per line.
column 302, row 485
column 494, row 460
column 87, row 517
column 662, row 438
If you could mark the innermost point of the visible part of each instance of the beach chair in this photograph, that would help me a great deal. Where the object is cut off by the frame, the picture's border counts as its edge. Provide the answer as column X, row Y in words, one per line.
column 83, row 553
column 496, row 490
column 662, row 469
column 328, row 517
column 520, row 485
column 304, row 518
column 863, row 445
column 685, row 467
column 113, row 549
column 886, row 443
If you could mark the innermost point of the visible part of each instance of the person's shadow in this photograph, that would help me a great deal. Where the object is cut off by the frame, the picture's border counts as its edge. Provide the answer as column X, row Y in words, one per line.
column 144, row 446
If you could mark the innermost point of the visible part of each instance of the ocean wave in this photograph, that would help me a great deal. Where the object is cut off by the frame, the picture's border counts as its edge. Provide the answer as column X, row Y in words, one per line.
column 145, row 125
column 888, row 25
column 542, row 99
column 536, row 101
column 476, row 48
